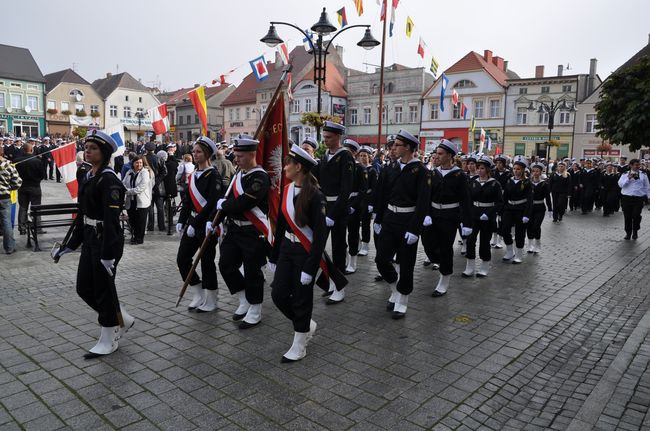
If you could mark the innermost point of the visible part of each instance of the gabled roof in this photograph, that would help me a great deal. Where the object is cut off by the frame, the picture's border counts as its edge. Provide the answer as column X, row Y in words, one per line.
column 105, row 86
column 66, row 75
column 18, row 63
column 475, row 61
column 334, row 81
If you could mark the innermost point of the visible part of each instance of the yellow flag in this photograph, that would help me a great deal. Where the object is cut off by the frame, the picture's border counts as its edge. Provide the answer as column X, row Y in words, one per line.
column 409, row 26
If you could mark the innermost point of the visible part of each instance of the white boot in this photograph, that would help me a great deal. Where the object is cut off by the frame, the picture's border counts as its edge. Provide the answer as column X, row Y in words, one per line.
column 519, row 255
column 363, row 250
column 538, row 246
column 298, row 349
column 128, row 321
column 253, row 316
column 443, row 285
column 210, row 302
column 352, row 265
column 469, row 268
column 106, row 344
column 198, row 297
column 401, row 303
column 244, row 305
column 531, row 246
column 336, row 297
column 393, row 297
column 332, row 288
column 484, row 269
column 312, row 330
column 493, row 241
column 510, row 252
column 499, row 242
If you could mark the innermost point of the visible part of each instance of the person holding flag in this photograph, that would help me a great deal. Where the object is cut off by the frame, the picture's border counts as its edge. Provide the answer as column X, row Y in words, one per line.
column 203, row 191
column 301, row 234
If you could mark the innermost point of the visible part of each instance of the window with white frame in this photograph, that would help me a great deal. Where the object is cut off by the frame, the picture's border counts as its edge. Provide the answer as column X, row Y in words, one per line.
column 383, row 114
column 413, row 114
column 112, row 110
column 231, row 114
column 16, row 85
column 32, row 87
column 307, row 105
column 248, row 113
column 367, row 115
column 590, row 123
column 455, row 114
column 51, row 104
column 2, row 100
column 478, row 108
column 398, row 114
column 127, row 112
column 237, row 114
column 94, row 109
column 17, row 101
column 140, row 111
column 495, row 108
column 295, row 108
column 546, row 89
column 353, row 116
column 32, row 102
column 65, row 106
column 522, row 115
column 307, row 132
column 542, row 118
column 523, row 90
column 78, row 107
column 433, row 108
column 566, row 88
column 464, row 83
column 565, row 117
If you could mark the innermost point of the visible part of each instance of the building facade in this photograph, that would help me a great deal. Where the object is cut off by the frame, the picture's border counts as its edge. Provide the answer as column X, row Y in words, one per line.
column 22, row 93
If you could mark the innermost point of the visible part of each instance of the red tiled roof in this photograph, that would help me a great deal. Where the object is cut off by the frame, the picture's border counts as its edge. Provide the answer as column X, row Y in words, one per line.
column 474, row 61
column 334, row 82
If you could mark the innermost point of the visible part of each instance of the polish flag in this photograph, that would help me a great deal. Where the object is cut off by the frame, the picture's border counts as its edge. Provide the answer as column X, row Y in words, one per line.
column 454, row 97
column 220, row 81
column 421, row 46
column 65, row 158
column 159, row 119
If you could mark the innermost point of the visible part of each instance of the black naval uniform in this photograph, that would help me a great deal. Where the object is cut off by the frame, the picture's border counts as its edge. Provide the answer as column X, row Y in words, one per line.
column 242, row 242
column 366, row 216
column 30, row 170
column 357, row 198
column 517, row 203
column 336, row 179
column 610, row 192
column 560, row 191
column 502, row 177
column 541, row 200
column 487, row 198
column 208, row 183
column 401, row 203
column 98, row 230
column 589, row 179
column 576, row 193
column 450, row 205
column 292, row 298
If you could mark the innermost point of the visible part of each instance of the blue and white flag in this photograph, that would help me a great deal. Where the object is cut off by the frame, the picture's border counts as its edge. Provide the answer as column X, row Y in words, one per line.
column 308, row 42
column 443, row 88
column 488, row 142
column 117, row 133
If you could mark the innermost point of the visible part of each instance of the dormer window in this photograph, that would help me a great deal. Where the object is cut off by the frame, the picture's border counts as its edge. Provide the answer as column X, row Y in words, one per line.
column 464, row 83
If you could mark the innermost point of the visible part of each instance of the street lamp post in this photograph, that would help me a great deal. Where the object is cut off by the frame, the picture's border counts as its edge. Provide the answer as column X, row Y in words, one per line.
column 140, row 115
column 551, row 110
column 322, row 28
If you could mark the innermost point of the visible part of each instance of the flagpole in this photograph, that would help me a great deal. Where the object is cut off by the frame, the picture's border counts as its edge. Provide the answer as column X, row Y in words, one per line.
column 381, row 74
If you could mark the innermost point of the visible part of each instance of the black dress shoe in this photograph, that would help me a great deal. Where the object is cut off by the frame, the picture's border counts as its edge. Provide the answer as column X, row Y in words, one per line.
column 390, row 306
column 398, row 315
column 330, row 301
column 635, row 234
column 627, row 236
column 91, row 355
column 286, row 360
column 426, row 263
column 437, row 294
column 246, row 325
column 326, row 294
column 238, row 317
column 346, row 272
column 379, row 278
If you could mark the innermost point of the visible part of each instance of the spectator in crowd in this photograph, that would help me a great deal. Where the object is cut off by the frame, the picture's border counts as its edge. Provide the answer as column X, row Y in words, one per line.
column 9, row 181
column 138, row 181
column 223, row 166
column 31, row 171
column 185, row 169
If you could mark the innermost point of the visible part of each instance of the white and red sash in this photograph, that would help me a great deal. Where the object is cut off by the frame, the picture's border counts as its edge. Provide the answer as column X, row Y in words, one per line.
column 198, row 201
column 255, row 215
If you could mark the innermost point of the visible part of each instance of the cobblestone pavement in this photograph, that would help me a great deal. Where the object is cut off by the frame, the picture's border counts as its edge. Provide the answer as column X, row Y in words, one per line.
column 559, row 342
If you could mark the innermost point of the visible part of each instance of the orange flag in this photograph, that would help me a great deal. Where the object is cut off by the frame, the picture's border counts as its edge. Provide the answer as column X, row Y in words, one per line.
column 197, row 96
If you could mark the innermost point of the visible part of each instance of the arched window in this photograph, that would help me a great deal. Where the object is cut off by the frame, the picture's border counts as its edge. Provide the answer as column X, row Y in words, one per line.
column 464, row 83
column 375, row 88
column 390, row 87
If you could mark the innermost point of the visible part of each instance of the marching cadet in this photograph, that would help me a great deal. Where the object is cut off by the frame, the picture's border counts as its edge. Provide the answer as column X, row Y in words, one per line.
column 502, row 174
column 194, row 222
column 365, row 153
column 589, row 179
column 98, row 230
column 541, row 201
column 335, row 174
column 516, row 210
column 560, row 183
column 610, row 191
column 450, row 206
column 472, row 159
column 246, row 225
column 310, row 145
column 401, row 204
column 359, row 188
column 300, row 240
column 635, row 190
column 576, row 193
column 487, row 197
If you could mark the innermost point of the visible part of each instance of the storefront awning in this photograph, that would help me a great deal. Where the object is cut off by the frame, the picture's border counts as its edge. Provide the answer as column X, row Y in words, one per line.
column 136, row 128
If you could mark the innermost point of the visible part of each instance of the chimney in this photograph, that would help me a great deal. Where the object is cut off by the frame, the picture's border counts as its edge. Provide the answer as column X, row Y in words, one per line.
column 591, row 83
column 339, row 52
column 539, row 71
column 108, row 74
column 487, row 55
column 278, row 60
column 505, row 65
column 498, row 62
column 196, row 85
column 560, row 70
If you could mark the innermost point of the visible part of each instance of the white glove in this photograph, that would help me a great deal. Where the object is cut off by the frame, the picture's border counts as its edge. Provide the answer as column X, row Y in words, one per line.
column 329, row 222
column 483, row 217
column 427, row 221
column 271, row 267
column 377, row 228
column 351, row 210
column 208, row 228
column 305, row 278
column 220, row 203
column 370, row 208
column 410, row 238
column 465, row 231
column 179, row 228
column 525, row 220
column 190, row 231
column 108, row 265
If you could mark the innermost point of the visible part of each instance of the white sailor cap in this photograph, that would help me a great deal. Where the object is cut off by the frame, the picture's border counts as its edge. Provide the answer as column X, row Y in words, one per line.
column 390, row 140
column 366, row 149
column 333, row 127
column 449, row 146
column 520, row 160
column 301, row 156
column 171, row 145
column 46, row 138
column 351, row 144
column 486, row 160
column 473, row 157
column 208, row 144
column 245, row 143
column 502, row 157
column 311, row 141
column 103, row 139
column 537, row 165
column 408, row 138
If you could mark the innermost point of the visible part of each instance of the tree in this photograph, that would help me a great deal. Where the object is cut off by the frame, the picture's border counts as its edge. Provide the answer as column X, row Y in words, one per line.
column 624, row 107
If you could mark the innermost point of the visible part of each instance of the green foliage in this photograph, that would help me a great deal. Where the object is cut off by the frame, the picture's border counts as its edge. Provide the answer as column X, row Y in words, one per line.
column 320, row 151
column 624, row 107
column 315, row 119
column 79, row 132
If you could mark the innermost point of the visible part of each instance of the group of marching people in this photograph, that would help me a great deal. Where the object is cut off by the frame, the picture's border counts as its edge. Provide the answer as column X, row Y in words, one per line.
column 335, row 196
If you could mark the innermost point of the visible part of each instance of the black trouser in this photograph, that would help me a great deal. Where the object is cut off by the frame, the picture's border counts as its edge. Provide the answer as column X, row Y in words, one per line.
column 137, row 221
column 588, row 197
column 632, row 207
column 94, row 285
column 27, row 196
column 559, row 205
column 354, row 223
column 611, row 203
column 576, row 197
column 339, row 246
column 292, row 298
column 160, row 213
column 186, row 250
column 510, row 218
column 51, row 168
column 390, row 241
column 438, row 241
column 485, row 229
column 366, row 219
column 243, row 245
column 534, row 225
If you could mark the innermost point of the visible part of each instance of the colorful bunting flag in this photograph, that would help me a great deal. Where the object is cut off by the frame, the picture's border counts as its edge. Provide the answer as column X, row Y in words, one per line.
column 454, row 97
column 283, row 51
column 197, row 97
column 159, row 119
column 434, row 67
column 289, row 89
column 359, row 5
column 463, row 111
column 343, row 19
column 220, row 81
column 488, row 141
column 482, row 141
column 409, row 26
column 472, row 123
column 308, row 42
column 443, row 87
column 260, row 70
column 392, row 17
column 382, row 14
column 421, row 46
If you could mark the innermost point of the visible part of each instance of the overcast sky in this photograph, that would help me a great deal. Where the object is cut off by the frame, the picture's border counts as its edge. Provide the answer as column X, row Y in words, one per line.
column 179, row 43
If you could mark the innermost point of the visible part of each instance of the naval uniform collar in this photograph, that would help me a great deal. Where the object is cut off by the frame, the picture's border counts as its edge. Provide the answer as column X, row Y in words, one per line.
column 330, row 156
column 444, row 172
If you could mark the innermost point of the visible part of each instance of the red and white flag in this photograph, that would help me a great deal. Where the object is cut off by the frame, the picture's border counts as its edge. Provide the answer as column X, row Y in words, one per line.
column 421, row 47
column 289, row 90
column 65, row 158
column 283, row 50
column 220, row 81
column 159, row 119
column 454, row 97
